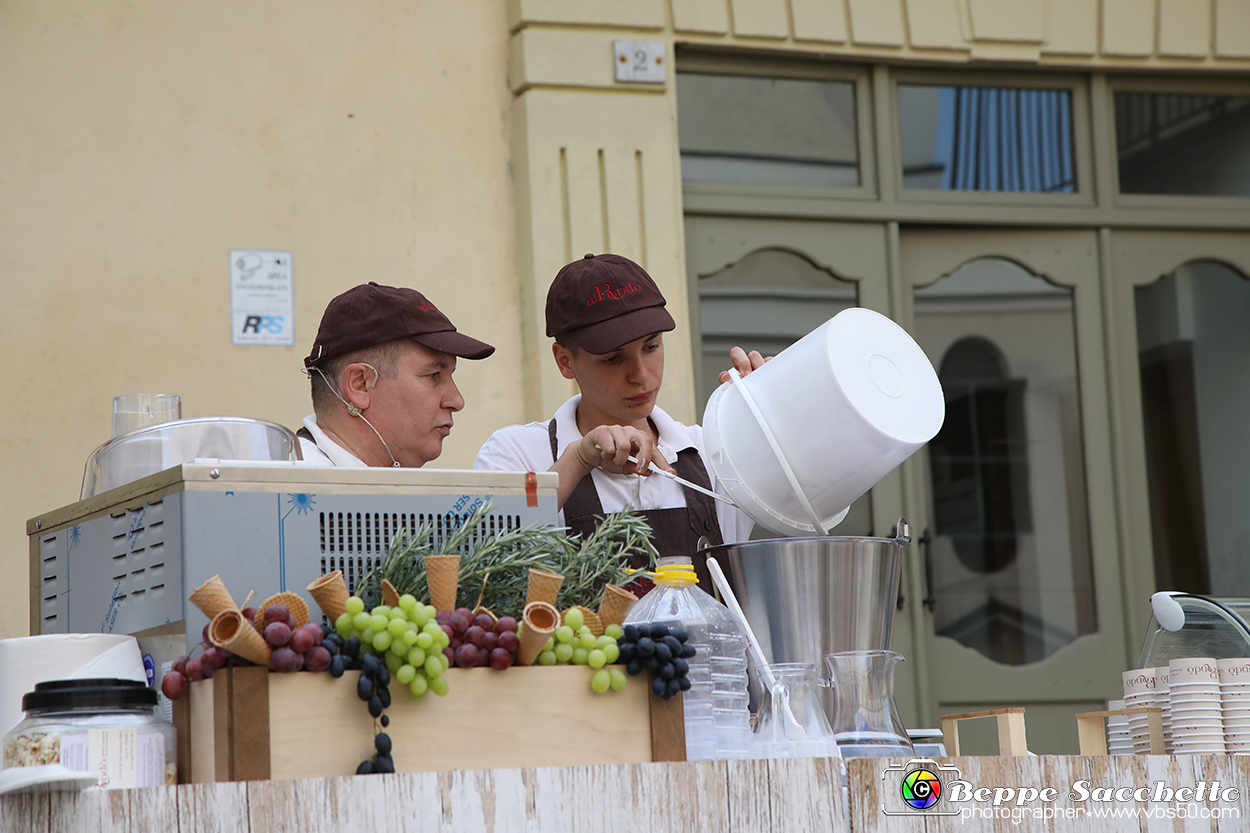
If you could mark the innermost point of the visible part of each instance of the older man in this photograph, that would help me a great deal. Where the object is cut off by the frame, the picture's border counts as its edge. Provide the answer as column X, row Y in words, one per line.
column 381, row 371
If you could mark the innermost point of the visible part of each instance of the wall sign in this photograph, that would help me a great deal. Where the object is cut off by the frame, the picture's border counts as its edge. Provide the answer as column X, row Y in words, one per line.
column 262, row 298
column 640, row 61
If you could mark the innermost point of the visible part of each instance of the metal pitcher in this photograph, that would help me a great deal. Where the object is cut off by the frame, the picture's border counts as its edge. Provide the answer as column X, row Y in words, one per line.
column 808, row 597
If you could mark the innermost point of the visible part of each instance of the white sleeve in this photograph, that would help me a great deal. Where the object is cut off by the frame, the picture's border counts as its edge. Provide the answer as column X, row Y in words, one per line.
column 500, row 453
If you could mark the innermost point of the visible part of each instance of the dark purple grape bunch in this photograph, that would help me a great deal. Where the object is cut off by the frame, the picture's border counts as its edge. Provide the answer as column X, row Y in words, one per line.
column 662, row 650
column 372, row 687
column 344, row 653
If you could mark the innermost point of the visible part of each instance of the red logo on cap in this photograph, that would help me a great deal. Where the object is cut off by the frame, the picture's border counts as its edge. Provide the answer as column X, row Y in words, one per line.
column 426, row 306
column 604, row 290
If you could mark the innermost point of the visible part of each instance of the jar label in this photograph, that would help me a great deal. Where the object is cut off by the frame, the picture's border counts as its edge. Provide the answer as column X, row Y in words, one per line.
column 122, row 758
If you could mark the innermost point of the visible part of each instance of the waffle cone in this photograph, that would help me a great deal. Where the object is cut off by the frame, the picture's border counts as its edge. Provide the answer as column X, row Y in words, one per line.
column 479, row 610
column 543, row 586
column 330, row 593
column 390, row 596
column 231, row 631
column 297, row 606
column 442, row 573
column 212, row 597
column 591, row 618
column 538, row 623
column 616, row 604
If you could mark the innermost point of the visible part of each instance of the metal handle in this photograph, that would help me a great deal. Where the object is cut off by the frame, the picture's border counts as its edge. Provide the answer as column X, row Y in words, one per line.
column 901, row 533
column 929, row 600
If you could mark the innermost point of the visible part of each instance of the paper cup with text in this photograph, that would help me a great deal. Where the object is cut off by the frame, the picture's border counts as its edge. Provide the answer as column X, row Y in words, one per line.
column 1193, row 670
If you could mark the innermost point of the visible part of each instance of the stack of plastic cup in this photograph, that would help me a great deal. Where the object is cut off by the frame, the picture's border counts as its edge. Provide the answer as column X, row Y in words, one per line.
column 1197, row 713
column 1162, row 686
column 1119, row 739
column 1235, row 699
column 1139, row 692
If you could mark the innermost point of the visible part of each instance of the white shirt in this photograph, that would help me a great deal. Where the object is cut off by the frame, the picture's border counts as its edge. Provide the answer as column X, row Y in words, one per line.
column 528, row 448
column 325, row 451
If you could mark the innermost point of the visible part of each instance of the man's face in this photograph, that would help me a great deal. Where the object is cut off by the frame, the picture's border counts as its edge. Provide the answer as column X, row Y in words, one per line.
column 412, row 410
column 619, row 387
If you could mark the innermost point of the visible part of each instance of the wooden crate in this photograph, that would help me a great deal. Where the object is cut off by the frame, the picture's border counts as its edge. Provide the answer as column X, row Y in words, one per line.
column 249, row 724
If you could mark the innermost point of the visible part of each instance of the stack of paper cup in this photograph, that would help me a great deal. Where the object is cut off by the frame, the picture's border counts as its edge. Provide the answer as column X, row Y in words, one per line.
column 1139, row 692
column 1197, row 715
column 1162, row 686
column 1235, row 698
column 1119, row 739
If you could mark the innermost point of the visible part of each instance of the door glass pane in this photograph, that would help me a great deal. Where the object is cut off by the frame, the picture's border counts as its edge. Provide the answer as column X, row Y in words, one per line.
column 1011, row 556
column 986, row 139
column 767, row 301
column 781, row 131
column 1193, row 341
column 1169, row 143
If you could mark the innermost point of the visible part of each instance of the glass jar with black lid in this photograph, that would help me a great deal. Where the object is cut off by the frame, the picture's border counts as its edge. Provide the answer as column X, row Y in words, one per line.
column 101, row 725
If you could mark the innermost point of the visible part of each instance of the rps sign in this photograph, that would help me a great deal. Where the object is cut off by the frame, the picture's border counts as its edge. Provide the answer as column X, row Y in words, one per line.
column 262, row 298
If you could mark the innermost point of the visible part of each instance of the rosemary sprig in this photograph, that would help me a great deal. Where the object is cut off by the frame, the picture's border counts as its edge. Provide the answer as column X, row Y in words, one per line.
column 496, row 565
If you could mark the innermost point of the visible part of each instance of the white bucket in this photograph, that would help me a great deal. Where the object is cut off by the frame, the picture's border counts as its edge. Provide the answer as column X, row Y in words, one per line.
column 797, row 441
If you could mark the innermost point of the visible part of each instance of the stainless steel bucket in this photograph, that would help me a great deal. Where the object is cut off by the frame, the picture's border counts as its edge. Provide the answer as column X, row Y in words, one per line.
column 807, row 597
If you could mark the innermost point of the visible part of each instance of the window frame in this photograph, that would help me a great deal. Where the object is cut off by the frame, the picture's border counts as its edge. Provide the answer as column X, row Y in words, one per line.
column 700, row 62
column 1180, row 86
column 1082, row 145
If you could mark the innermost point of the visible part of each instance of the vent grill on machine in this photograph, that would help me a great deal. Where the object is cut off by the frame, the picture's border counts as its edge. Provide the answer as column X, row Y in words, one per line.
column 135, row 548
column 356, row 542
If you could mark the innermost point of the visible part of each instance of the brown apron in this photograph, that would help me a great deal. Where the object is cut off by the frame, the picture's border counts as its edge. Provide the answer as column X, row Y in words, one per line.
column 676, row 531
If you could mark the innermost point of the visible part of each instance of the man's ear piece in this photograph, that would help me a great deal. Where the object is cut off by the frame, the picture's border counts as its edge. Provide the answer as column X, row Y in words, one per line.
column 353, row 409
column 376, row 375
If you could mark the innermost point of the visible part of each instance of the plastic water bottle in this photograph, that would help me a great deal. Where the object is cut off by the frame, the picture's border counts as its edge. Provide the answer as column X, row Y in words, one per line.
column 715, row 706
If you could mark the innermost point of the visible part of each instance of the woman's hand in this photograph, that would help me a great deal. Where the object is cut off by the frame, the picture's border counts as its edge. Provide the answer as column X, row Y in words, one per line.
column 744, row 362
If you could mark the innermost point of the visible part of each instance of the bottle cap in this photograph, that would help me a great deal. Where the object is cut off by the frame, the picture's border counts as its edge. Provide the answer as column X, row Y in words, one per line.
column 676, row 575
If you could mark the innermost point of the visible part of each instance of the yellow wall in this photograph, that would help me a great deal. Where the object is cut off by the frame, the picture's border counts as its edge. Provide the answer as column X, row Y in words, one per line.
column 141, row 141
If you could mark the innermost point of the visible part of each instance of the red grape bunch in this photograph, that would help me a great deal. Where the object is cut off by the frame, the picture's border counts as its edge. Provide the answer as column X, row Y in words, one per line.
column 479, row 641
column 295, row 648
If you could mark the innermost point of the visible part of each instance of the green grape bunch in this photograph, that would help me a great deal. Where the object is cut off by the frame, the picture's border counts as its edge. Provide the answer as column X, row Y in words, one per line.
column 574, row 644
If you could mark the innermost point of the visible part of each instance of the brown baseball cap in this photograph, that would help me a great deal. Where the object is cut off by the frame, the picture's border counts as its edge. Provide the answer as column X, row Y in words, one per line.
column 604, row 301
column 371, row 314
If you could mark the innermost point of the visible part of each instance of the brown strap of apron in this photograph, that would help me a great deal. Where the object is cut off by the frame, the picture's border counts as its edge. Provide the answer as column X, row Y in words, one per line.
column 676, row 531
column 583, row 509
column 703, row 521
